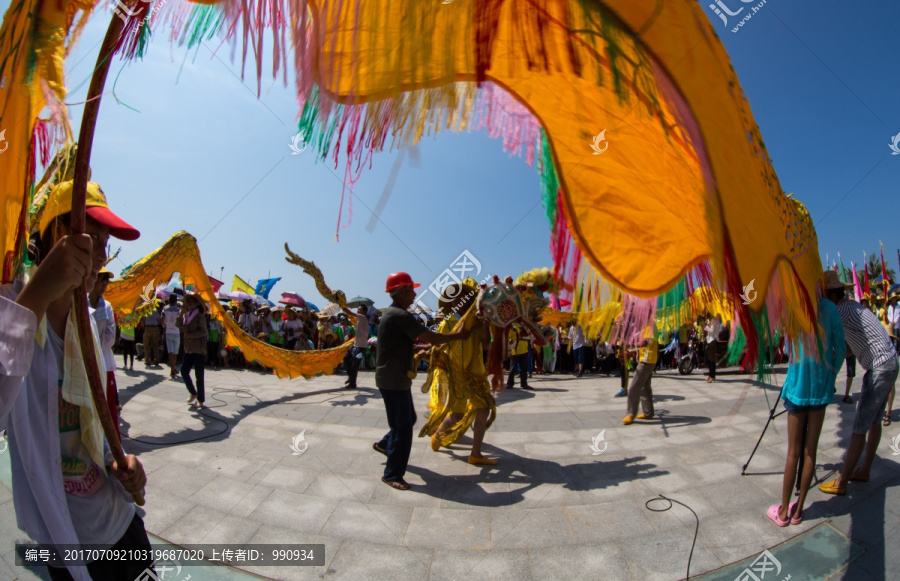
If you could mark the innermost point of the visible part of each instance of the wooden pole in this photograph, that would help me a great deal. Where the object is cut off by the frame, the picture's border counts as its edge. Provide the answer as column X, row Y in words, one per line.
column 79, row 196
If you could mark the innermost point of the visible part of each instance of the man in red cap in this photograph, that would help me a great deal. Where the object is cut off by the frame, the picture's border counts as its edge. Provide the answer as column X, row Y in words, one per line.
column 67, row 488
column 395, row 368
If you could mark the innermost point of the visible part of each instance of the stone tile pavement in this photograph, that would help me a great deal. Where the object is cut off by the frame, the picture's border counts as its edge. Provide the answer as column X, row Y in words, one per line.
column 551, row 509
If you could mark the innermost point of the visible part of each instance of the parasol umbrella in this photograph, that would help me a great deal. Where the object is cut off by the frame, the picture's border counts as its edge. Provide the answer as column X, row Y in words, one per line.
column 240, row 296
column 262, row 301
column 359, row 301
column 312, row 307
column 373, row 311
column 292, row 299
column 223, row 296
column 330, row 309
column 894, row 288
column 165, row 292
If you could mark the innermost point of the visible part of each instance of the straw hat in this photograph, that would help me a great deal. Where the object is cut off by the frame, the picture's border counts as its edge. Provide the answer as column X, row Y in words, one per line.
column 833, row 281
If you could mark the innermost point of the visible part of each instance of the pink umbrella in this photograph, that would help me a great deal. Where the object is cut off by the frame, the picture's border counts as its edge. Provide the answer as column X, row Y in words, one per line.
column 293, row 299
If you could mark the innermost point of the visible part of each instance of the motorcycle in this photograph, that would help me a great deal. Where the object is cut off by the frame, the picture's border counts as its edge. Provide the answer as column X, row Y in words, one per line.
column 690, row 360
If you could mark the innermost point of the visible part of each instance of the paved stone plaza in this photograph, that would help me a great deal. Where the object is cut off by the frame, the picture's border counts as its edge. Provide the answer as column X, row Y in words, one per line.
column 551, row 509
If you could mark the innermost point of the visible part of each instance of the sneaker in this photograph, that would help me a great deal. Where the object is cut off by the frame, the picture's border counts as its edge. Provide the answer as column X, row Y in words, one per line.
column 622, row 393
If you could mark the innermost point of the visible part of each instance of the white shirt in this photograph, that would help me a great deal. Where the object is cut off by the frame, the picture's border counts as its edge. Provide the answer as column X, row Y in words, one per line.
column 893, row 315
column 712, row 330
column 106, row 330
column 576, row 335
column 362, row 332
column 170, row 315
column 29, row 410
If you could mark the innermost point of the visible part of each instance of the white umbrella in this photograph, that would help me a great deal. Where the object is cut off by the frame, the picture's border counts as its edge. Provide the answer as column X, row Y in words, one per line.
column 330, row 309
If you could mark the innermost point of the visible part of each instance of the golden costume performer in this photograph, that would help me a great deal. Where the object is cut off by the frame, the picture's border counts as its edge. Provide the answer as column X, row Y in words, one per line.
column 457, row 377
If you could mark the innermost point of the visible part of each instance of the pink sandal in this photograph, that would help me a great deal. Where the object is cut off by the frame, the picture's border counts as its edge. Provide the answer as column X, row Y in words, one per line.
column 772, row 513
column 792, row 509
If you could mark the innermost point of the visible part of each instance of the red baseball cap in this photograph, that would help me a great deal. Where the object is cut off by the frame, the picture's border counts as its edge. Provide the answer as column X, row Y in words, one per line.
column 59, row 202
column 397, row 279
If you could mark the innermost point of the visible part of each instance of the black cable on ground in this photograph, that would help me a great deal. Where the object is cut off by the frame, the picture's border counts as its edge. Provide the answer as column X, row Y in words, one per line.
column 696, row 529
column 239, row 392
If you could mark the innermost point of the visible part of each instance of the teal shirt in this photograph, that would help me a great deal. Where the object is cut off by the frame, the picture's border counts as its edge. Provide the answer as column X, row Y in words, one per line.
column 810, row 380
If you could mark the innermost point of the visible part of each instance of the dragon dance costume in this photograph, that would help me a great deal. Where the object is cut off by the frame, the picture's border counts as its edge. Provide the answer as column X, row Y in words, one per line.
column 457, row 378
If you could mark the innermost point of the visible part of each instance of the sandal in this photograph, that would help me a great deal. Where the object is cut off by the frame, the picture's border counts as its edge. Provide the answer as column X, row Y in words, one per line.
column 847, row 399
column 887, row 419
column 396, row 484
column 833, row 488
column 792, row 511
column 379, row 449
column 772, row 513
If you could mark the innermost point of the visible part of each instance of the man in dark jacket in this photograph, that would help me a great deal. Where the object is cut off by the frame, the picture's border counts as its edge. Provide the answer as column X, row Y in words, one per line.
column 395, row 369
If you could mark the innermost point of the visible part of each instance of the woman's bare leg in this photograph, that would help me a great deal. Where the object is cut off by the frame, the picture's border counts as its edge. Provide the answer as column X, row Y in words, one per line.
column 813, row 431
column 795, row 448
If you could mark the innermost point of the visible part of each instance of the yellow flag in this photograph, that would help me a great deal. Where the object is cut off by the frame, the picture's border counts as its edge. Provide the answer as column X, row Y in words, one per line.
column 240, row 285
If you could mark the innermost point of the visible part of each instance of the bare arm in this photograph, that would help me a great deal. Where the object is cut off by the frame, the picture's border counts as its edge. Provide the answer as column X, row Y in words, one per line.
column 442, row 339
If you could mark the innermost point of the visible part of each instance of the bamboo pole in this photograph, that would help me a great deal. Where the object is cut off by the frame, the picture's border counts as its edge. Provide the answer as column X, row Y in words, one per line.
column 79, row 195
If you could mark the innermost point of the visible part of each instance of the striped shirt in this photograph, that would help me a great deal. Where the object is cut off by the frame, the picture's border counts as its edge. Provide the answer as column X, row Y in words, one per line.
column 866, row 335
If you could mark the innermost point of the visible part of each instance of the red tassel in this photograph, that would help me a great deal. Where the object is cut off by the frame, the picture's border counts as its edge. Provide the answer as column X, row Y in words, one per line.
column 496, row 355
column 735, row 288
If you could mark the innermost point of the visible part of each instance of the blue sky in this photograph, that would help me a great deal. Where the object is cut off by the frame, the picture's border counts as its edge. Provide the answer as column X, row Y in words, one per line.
column 205, row 155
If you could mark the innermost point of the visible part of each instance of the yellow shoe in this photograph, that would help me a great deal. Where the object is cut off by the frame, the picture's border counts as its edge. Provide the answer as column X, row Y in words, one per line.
column 482, row 460
column 644, row 417
column 435, row 442
column 833, row 488
column 627, row 420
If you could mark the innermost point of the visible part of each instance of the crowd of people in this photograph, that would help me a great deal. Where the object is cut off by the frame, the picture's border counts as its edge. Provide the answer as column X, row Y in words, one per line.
column 83, row 496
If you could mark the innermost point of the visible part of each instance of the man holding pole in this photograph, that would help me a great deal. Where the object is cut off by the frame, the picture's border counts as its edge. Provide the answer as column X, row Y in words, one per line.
column 67, row 487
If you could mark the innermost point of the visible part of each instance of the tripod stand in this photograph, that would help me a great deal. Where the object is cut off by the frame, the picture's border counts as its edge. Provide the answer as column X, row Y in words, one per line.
column 772, row 416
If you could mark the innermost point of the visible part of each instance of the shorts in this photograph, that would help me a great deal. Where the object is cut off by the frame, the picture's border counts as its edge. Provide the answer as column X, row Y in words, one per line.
column 877, row 385
column 851, row 366
column 579, row 355
column 802, row 409
column 173, row 342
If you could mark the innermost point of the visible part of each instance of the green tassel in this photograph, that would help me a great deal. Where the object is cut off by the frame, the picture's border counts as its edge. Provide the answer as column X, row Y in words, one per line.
column 143, row 41
column 203, row 24
column 736, row 349
column 549, row 181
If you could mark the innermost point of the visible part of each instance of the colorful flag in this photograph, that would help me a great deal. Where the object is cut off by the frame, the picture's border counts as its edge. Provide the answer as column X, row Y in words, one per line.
column 216, row 284
column 843, row 270
column 857, row 292
column 866, row 289
column 238, row 284
column 264, row 285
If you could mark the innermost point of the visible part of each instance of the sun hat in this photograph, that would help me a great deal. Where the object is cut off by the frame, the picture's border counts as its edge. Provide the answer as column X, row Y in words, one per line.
column 59, row 202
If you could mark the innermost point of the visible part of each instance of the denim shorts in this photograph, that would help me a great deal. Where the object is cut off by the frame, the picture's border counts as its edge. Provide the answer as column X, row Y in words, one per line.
column 802, row 409
column 173, row 342
column 877, row 385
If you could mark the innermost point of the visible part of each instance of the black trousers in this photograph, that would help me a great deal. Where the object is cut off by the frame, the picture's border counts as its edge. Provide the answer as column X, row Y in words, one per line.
column 197, row 361
column 135, row 538
column 352, row 360
column 520, row 361
column 711, row 357
column 401, row 417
